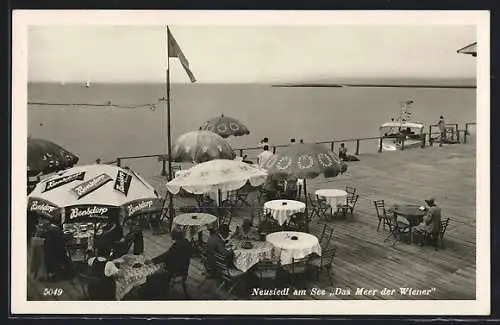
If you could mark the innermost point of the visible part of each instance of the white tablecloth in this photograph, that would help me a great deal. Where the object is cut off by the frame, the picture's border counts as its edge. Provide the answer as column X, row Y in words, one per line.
column 192, row 226
column 333, row 197
column 282, row 212
column 286, row 248
column 244, row 259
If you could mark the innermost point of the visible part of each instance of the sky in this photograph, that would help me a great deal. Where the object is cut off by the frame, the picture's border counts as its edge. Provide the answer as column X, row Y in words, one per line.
column 249, row 54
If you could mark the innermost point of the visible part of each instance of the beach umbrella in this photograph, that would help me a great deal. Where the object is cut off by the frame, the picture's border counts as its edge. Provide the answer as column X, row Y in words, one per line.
column 217, row 176
column 46, row 157
column 201, row 146
column 93, row 193
column 305, row 161
column 225, row 126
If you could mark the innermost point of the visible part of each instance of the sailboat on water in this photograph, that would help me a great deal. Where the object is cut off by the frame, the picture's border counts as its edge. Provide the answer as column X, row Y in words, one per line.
column 401, row 133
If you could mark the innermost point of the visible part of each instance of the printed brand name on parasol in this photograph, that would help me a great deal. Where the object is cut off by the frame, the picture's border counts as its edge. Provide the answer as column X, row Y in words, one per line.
column 90, row 211
column 91, row 185
column 134, row 208
column 63, row 180
column 44, row 207
column 122, row 182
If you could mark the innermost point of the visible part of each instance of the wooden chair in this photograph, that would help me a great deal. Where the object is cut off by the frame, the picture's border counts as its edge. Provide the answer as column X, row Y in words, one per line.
column 242, row 196
column 258, row 214
column 351, row 190
column 326, row 237
column 324, row 262
column 438, row 236
column 266, row 272
column 348, row 208
column 296, row 269
column 227, row 275
column 298, row 222
column 208, row 272
column 397, row 228
column 381, row 213
column 319, row 207
column 225, row 215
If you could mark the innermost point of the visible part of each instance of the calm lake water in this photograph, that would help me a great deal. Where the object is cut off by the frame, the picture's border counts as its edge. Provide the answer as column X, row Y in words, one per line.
column 312, row 114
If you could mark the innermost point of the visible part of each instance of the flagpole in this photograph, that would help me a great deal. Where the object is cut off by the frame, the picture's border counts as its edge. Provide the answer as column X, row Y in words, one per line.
column 169, row 142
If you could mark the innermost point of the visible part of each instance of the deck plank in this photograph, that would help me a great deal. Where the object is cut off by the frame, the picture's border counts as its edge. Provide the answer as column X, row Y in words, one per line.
column 363, row 260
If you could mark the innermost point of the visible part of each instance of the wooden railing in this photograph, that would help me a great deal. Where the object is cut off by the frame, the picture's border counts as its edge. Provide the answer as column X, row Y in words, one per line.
column 426, row 138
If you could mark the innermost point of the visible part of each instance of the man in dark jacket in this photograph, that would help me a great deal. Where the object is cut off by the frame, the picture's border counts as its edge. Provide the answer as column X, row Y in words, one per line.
column 176, row 259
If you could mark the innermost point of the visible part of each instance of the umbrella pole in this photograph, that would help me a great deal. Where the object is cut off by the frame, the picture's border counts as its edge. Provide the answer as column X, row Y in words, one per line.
column 307, row 208
column 169, row 153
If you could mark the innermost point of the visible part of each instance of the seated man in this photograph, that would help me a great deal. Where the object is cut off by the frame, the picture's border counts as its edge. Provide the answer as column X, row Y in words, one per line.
column 431, row 221
column 133, row 238
column 216, row 244
column 176, row 259
column 343, row 152
column 246, row 232
column 103, row 285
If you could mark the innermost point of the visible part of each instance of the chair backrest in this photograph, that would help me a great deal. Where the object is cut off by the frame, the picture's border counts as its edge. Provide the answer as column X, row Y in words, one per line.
column 299, row 264
column 443, row 226
column 222, row 269
column 350, row 190
column 328, row 255
column 329, row 238
column 323, row 232
column 380, row 208
column 312, row 200
column 266, row 267
column 352, row 200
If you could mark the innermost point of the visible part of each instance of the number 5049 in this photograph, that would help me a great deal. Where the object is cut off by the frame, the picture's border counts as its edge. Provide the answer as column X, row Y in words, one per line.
column 52, row 291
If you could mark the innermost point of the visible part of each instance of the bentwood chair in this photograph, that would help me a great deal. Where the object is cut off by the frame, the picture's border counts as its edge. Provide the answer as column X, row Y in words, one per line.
column 348, row 208
column 227, row 275
column 324, row 263
column 326, row 237
column 319, row 207
column 438, row 237
column 381, row 213
column 397, row 228
column 296, row 270
column 351, row 190
column 266, row 272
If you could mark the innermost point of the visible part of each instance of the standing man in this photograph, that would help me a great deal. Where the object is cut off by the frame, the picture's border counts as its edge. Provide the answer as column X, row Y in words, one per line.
column 263, row 157
column 442, row 130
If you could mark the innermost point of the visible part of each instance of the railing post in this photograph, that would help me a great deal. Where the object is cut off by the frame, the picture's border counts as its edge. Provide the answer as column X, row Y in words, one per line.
column 466, row 132
column 118, row 162
column 458, row 133
column 164, row 168
column 332, row 146
column 380, row 141
column 423, row 140
column 274, row 149
column 241, row 152
column 357, row 147
column 402, row 143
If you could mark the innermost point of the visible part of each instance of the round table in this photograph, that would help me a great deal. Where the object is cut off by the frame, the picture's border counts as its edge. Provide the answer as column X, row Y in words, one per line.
column 410, row 212
column 333, row 197
column 287, row 249
column 193, row 223
column 282, row 210
column 245, row 258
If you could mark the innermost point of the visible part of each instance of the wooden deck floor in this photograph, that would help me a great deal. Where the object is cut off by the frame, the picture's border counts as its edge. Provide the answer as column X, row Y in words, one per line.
column 363, row 260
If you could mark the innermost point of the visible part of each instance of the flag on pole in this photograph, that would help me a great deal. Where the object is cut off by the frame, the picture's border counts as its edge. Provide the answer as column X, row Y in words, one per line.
column 174, row 51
